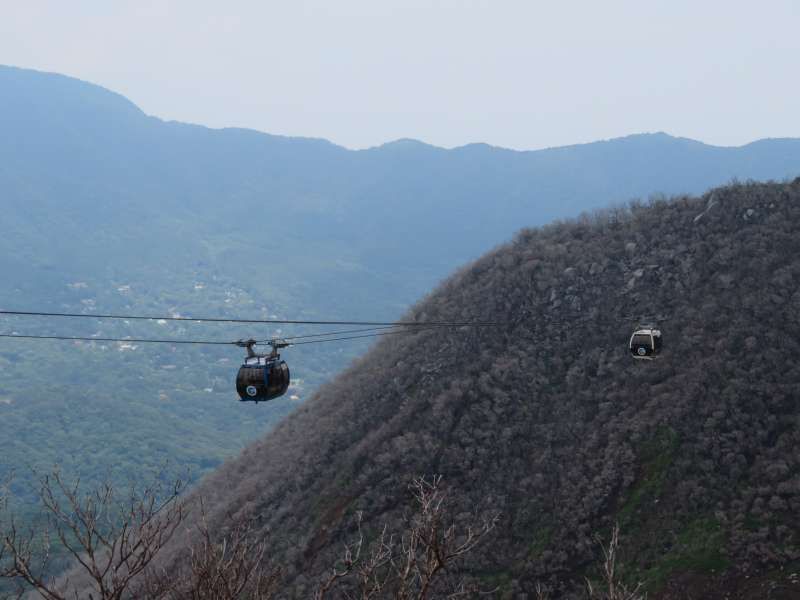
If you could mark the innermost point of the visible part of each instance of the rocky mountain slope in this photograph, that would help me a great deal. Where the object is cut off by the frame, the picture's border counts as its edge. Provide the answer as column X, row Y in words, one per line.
column 548, row 419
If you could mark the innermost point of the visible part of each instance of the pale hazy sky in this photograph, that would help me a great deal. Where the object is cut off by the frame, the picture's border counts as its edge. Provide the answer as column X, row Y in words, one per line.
column 510, row 73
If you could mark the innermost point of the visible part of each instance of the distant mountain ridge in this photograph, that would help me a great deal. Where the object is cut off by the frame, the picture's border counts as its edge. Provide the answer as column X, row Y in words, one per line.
column 32, row 90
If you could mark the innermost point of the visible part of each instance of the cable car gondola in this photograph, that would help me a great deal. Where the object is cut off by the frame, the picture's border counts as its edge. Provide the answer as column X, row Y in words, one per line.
column 646, row 343
column 262, row 376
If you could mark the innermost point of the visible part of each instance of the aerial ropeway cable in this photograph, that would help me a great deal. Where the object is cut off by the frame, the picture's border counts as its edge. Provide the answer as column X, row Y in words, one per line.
column 22, row 313
column 287, row 340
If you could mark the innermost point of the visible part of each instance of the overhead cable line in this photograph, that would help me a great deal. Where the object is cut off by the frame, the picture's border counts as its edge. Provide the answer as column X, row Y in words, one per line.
column 340, row 332
column 108, row 339
column 356, row 337
column 263, row 321
column 196, row 342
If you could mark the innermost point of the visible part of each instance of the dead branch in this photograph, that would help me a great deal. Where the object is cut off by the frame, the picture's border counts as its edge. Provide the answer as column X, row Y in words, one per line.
column 613, row 588
column 228, row 569
column 112, row 541
column 410, row 565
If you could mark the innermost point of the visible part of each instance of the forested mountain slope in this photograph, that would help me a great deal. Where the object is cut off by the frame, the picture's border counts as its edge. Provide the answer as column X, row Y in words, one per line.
column 107, row 209
column 549, row 420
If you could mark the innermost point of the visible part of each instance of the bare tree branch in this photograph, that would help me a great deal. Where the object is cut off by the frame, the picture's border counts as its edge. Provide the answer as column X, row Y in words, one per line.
column 112, row 543
column 410, row 566
column 229, row 569
column 612, row 586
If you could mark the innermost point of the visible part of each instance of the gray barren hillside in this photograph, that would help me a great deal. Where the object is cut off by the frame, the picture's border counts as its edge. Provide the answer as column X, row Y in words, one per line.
column 549, row 420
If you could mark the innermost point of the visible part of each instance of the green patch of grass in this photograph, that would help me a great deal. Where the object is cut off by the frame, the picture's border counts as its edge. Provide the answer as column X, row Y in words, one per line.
column 499, row 583
column 657, row 455
column 541, row 539
column 751, row 523
column 699, row 548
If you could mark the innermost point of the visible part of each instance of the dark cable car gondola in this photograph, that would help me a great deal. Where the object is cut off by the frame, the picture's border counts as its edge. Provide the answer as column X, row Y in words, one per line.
column 262, row 376
column 646, row 343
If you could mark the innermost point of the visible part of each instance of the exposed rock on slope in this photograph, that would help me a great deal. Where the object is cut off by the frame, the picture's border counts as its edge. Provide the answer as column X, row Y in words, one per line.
column 549, row 420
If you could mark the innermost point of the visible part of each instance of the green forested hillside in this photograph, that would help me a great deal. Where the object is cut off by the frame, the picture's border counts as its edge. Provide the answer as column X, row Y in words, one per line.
column 107, row 209
column 550, row 422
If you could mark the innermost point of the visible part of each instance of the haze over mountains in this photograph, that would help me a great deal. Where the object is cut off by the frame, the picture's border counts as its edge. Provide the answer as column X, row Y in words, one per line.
column 78, row 159
column 107, row 209
column 73, row 151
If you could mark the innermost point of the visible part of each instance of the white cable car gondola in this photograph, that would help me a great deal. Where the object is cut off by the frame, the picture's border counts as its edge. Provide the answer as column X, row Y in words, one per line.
column 646, row 343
